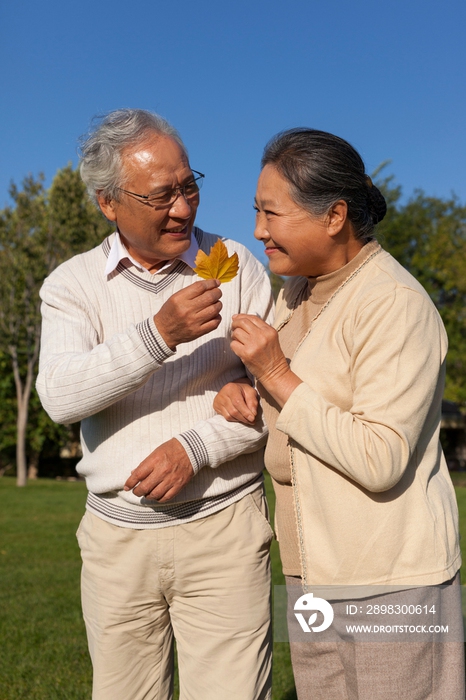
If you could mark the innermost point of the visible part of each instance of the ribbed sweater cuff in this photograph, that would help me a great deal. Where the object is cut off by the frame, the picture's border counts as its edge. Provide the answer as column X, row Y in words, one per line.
column 153, row 341
column 195, row 449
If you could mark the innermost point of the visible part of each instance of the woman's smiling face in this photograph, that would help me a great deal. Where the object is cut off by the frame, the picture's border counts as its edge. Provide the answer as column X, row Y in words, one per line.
column 296, row 242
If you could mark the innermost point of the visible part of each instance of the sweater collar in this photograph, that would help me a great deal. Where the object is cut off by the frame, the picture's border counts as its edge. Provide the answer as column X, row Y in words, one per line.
column 118, row 252
column 321, row 288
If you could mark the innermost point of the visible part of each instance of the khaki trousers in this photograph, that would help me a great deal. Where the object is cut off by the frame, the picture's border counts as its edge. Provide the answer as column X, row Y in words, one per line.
column 205, row 583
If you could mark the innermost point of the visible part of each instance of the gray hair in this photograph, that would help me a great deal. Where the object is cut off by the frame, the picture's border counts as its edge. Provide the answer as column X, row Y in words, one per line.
column 100, row 150
column 321, row 169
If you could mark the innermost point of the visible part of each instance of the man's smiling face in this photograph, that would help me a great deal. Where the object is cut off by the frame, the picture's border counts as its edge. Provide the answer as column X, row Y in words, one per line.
column 151, row 235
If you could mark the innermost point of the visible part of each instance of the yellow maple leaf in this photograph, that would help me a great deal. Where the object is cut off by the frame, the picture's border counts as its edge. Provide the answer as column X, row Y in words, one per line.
column 217, row 265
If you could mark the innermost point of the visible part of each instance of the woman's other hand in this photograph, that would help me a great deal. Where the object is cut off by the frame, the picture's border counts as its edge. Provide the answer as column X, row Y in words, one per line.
column 257, row 345
column 237, row 402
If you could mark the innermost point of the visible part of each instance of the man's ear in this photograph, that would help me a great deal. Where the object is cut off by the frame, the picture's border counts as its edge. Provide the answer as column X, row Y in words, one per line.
column 336, row 217
column 107, row 207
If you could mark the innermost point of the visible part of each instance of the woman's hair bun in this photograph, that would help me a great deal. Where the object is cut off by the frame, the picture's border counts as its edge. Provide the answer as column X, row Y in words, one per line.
column 376, row 200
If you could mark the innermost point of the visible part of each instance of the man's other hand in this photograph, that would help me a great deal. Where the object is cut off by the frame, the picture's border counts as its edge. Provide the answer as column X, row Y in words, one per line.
column 190, row 313
column 162, row 474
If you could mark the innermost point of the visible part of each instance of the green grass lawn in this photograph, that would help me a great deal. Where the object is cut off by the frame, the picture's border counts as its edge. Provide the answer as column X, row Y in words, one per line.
column 43, row 654
column 43, row 645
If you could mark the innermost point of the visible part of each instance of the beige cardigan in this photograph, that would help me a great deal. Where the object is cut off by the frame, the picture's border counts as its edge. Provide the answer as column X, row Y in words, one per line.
column 373, row 498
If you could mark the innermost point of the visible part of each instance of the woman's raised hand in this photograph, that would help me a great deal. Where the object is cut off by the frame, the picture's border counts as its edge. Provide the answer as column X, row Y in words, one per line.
column 257, row 345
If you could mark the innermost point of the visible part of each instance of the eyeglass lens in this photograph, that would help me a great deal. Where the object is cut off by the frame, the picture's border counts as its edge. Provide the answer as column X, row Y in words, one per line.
column 189, row 190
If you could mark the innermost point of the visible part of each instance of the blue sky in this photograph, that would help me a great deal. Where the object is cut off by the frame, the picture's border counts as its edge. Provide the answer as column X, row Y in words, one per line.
column 390, row 77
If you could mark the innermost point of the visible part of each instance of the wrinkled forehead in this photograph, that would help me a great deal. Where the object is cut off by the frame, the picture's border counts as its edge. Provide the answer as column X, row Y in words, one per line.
column 271, row 186
column 155, row 146
column 155, row 157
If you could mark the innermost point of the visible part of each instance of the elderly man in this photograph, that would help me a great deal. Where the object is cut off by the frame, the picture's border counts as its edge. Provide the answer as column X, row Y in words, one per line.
column 175, row 538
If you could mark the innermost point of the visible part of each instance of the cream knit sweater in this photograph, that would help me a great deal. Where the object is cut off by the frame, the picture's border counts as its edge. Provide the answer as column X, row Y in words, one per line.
column 104, row 363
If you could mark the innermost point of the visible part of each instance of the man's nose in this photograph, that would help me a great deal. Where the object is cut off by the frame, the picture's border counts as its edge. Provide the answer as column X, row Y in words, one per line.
column 181, row 206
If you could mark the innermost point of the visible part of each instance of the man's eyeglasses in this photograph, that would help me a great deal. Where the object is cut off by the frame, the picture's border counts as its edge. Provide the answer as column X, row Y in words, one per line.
column 165, row 198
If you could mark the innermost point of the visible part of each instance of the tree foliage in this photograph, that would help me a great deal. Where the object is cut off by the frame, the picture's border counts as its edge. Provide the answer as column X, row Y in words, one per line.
column 427, row 235
column 39, row 231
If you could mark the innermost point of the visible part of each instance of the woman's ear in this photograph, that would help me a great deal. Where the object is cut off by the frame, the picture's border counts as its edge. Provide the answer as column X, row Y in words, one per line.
column 107, row 207
column 336, row 217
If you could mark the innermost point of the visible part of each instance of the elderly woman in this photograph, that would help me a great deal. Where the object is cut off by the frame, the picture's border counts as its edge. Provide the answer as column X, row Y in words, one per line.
column 351, row 380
